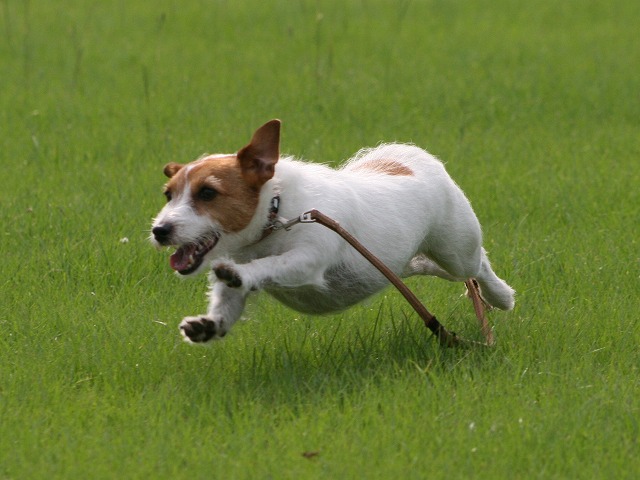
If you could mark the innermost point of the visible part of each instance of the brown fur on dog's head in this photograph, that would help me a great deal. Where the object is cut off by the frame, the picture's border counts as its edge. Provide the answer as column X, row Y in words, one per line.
column 226, row 187
column 258, row 159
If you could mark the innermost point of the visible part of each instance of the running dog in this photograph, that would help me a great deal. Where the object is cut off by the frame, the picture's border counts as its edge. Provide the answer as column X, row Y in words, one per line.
column 222, row 212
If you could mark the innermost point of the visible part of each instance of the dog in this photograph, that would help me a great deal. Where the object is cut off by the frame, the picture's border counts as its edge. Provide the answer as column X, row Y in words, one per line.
column 398, row 200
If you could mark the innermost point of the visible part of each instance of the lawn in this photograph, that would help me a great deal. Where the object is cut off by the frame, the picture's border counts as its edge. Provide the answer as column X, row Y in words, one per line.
column 533, row 106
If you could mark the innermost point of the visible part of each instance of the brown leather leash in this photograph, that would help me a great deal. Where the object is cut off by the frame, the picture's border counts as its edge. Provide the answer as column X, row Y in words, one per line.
column 445, row 337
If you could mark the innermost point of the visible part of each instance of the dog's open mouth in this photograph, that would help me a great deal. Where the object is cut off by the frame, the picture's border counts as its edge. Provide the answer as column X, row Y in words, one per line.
column 188, row 258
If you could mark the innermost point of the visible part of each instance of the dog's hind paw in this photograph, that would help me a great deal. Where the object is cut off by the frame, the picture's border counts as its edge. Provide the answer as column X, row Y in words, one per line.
column 202, row 329
column 228, row 275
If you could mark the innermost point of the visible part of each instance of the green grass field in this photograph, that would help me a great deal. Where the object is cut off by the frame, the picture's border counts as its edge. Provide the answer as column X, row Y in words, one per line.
column 534, row 107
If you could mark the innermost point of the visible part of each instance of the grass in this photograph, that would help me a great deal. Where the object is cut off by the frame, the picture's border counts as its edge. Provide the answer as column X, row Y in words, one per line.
column 533, row 106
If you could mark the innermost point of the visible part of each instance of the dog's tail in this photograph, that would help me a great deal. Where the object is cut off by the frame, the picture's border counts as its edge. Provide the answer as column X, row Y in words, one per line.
column 493, row 289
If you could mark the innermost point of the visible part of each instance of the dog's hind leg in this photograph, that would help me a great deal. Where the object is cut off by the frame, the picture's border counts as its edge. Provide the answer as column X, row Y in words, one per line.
column 493, row 289
column 423, row 265
column 484, row 288
column 457, row 261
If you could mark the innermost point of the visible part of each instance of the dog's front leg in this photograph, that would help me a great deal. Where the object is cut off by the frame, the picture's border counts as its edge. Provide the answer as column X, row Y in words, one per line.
column 291, row 269
column 225, row 307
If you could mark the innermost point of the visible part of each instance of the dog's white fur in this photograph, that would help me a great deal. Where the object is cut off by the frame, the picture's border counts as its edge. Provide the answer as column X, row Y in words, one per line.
column 397, row 199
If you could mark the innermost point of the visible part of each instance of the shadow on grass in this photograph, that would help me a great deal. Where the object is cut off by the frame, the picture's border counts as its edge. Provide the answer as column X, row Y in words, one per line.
column 318, row 358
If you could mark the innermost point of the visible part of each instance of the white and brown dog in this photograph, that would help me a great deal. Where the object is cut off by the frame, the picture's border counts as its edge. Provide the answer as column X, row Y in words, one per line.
column 397, row 199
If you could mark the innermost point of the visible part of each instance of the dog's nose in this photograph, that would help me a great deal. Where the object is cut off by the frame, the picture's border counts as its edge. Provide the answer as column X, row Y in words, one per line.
column 162, row 232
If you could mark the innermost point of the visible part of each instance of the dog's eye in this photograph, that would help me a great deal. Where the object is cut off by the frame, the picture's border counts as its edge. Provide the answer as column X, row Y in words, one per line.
column 167, row 194
column 207, row 194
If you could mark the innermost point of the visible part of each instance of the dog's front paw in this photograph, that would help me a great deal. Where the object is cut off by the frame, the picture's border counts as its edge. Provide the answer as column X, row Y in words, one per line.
column 202, row 329
column 228, row 275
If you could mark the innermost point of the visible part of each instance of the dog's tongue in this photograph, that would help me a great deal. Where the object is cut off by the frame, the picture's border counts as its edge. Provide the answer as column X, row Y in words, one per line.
column 180, row 260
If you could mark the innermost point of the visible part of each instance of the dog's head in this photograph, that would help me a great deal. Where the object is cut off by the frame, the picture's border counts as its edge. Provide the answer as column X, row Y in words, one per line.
column 214, row 197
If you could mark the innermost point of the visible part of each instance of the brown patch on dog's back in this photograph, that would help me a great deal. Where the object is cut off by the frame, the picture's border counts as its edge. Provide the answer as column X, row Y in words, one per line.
column 386, row 167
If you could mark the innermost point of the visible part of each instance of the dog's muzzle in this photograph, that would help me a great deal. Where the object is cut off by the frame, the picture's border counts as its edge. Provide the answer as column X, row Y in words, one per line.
column 188, row 256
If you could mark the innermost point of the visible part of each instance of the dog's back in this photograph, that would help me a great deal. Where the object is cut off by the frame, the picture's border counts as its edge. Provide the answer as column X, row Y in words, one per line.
column 399, row 201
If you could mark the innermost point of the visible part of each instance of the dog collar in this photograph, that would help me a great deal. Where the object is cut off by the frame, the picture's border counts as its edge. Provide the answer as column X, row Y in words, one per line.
column 273, row 219
column 273, row 210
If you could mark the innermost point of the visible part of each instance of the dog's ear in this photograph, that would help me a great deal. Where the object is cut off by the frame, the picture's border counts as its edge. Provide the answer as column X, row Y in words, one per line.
column 170, row 169
column 259, row 158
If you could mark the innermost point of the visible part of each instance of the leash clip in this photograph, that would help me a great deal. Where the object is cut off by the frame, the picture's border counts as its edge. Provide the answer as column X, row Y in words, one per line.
column 280, row 223
column 307, row 217
column 284, row 224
